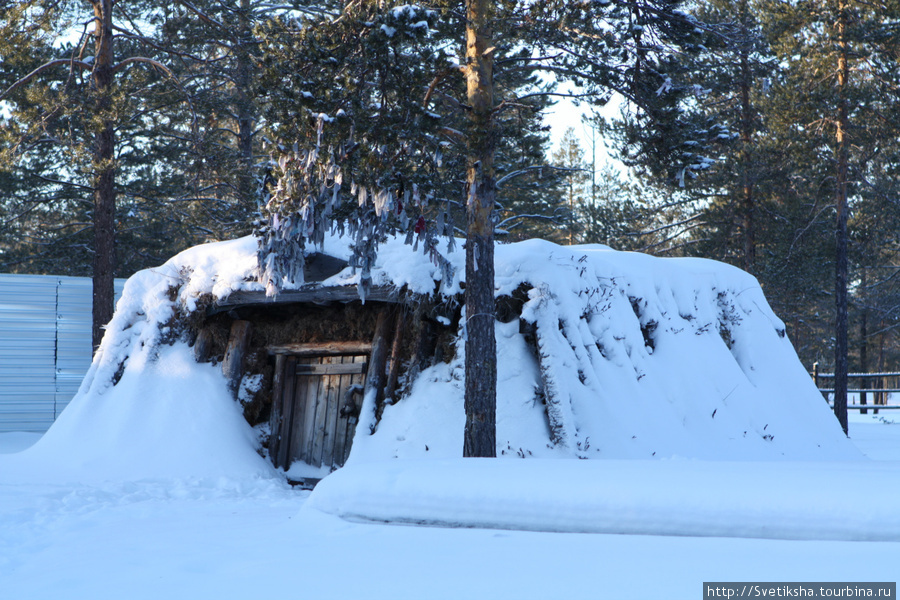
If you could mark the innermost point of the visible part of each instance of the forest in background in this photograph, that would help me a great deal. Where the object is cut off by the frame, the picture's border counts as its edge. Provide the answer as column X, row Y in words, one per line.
column 770, row 118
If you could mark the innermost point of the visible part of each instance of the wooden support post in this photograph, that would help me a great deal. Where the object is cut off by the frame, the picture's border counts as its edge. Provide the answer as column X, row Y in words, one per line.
column 375, row 378
column 287, row 414
column 277, row 408
column 557, row 402
column 426, row 341
column 233, row 363
column 816, row 380
column 863, row 400
column 202, row 346
column 396, row 349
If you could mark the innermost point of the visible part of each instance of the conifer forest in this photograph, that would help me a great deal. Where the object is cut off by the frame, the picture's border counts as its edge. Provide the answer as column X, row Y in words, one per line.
column 762, row 133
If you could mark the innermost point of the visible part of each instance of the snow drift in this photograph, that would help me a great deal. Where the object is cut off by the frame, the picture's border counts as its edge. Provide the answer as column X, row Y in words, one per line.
column 784, row 500
column 636, row 357
column 615, row 355
column 145, row 409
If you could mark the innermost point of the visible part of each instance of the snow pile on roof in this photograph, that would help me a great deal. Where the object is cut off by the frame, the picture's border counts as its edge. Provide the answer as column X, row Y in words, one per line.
column 637, row 357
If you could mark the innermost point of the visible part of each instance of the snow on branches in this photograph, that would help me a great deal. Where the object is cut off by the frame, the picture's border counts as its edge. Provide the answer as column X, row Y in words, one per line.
column 362, row 155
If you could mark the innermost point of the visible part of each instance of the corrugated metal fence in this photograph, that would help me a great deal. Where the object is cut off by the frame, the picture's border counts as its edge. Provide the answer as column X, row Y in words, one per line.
column 45, row 346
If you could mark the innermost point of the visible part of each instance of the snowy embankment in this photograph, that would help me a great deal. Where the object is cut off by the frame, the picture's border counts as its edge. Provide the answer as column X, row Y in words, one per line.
column 150, row 484
column 783, row 500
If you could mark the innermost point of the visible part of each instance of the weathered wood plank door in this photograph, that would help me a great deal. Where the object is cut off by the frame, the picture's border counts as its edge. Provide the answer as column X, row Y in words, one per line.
column 321, row 399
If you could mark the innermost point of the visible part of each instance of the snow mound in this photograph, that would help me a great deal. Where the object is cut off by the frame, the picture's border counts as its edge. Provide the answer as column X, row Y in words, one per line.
column 146, row 409
column 636, row 357
column 785, row 500
column 166, row 418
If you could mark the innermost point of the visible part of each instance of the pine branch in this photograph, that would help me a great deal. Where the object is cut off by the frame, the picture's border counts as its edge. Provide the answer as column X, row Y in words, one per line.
column 671, row 237
column 172, row 78
column 53, row 63
column 522, row 171
column 514, row 218
column 203, row 16
column 86, row 188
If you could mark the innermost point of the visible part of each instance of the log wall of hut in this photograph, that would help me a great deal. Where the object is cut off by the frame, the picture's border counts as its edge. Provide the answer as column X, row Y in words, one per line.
column 263, row 344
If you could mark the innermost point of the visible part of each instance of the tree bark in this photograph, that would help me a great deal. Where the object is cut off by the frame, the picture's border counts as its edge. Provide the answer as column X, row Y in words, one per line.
column 481, row 346
column 244, row 105
column 864, row 343
column 104, row 166
column 746, row 133
column 841, row 260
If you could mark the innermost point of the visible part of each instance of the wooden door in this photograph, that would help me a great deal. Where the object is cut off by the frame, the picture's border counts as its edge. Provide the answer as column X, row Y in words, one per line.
column 321, row 402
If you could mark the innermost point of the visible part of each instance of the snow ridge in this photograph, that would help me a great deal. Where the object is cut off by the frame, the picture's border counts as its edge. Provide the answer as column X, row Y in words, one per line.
column 791, row 501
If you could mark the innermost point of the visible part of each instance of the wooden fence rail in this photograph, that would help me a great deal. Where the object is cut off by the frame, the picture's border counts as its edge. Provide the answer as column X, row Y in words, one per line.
column 880, row 385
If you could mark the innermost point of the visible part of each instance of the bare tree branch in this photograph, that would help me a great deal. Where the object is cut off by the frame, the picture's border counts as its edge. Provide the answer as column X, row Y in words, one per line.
column 518, row 172
column 53, row 63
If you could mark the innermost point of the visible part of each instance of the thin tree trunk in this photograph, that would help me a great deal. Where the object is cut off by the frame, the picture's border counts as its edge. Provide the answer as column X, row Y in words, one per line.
column 481, row 346
column 746, row 133
column 245, row 179
column 881, row 397
column 864, row 343
column 104, row 173
column 841, row 259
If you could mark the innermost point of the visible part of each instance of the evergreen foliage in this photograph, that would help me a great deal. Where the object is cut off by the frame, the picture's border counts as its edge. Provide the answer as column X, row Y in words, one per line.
column 758, row 132
column 381, row 80
column 773, row 80
column 355, row 144
column 370, row 129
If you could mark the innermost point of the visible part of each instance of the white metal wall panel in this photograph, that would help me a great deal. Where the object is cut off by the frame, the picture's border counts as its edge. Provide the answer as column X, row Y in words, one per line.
column 27, row 352
column 45, row 346
column 73, row 337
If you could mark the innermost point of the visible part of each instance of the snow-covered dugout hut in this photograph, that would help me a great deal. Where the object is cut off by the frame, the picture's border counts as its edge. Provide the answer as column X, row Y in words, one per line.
column 602, row 354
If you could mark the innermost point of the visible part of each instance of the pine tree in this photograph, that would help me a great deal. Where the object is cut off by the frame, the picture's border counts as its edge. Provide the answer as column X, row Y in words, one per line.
column 618, row 213
column 569, row 157
column 214, row 51
column 844, row 53
column 771, row 77
column 81, row 114
column 371, row 103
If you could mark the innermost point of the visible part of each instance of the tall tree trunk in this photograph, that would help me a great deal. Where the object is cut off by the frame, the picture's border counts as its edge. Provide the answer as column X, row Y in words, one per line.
column 880, row 397
column 841, row 260
column 245, row 179
column 864, row 342
column 104, row 173
column 481, row 345
column 746, row 133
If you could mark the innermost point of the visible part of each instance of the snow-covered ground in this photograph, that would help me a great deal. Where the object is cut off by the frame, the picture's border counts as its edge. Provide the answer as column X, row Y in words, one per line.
column 253, row 537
